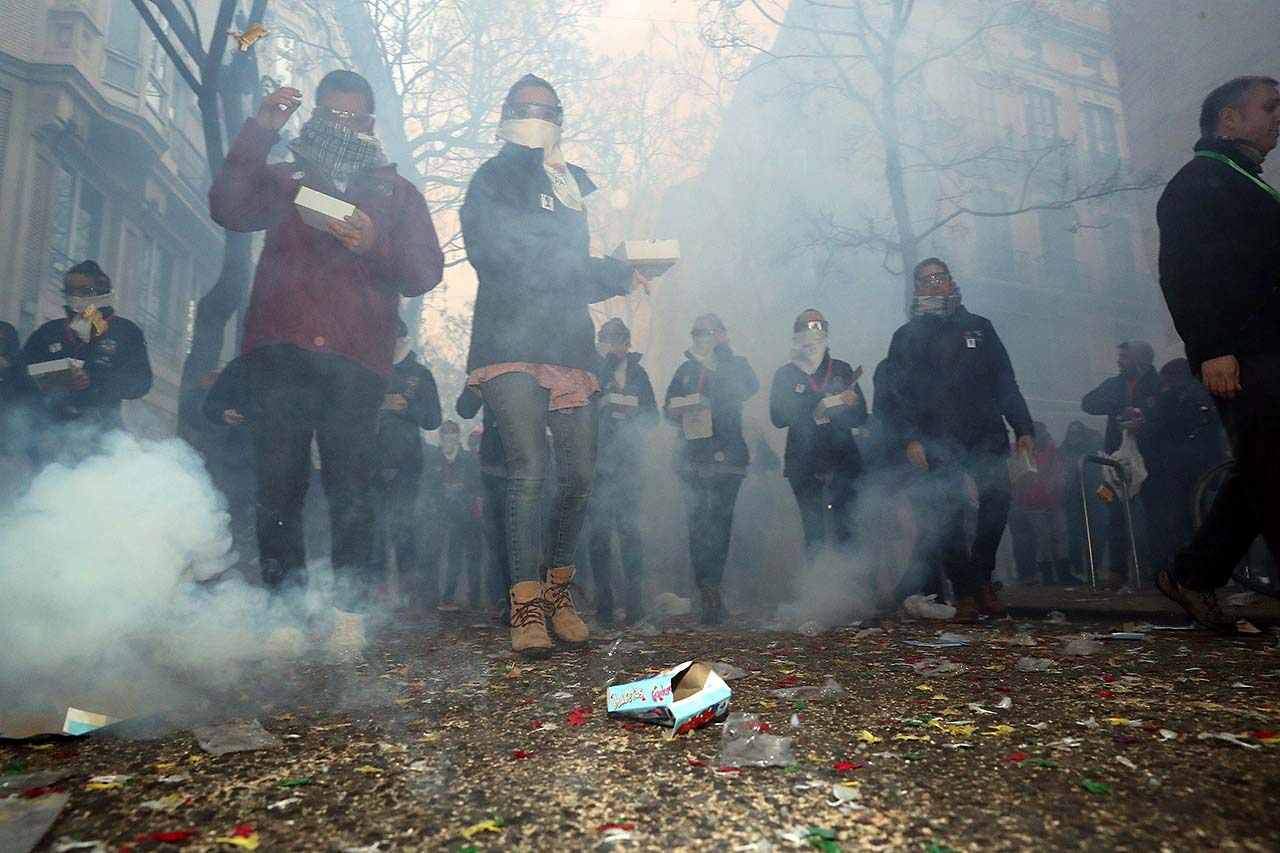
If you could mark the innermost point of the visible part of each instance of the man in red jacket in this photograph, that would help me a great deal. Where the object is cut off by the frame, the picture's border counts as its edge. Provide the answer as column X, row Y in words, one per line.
column 321, row 325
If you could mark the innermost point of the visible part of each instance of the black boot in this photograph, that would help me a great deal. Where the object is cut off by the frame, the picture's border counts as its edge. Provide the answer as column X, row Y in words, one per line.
column 634, row 602
column 712, row 607
column 1045, row 571
column 1066, row 577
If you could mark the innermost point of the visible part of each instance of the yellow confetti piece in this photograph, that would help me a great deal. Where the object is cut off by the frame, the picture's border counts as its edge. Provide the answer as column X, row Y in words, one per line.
column 913, row 737
column 403, row 701
column 163, row 765
column 813, row 757
column 996, row 667
column 867, row 737
column 490, row 825
column 41, row 746
column 962, row 731
column 1117, row 721
column 195, row 759
column 284, row 718
column 839, row 661
column 938, row 697
column 999, row 731
column 765, row 703
column 102, row 786
column 1269, row 741
column 434, row 736
column 247, row 842
column 924, row 688
column 417, row 724
column 951, row 712
column 367, row 769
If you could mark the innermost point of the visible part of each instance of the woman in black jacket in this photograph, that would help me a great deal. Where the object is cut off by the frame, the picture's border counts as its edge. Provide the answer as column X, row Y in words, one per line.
column 533, row 347
column 705, row 399
column 816, row 399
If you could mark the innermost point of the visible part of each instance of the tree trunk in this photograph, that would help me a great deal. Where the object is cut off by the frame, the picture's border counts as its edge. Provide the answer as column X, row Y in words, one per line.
column 896, row 184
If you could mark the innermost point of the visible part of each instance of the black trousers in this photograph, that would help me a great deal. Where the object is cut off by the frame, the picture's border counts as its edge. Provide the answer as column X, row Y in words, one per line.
column 942, row 539
column 298, row 395
column 395, row 494
column 495, row 508
column 614, row 507
column 1248, row 504
column 819, row 498
column 709, row 503
column 463, row 553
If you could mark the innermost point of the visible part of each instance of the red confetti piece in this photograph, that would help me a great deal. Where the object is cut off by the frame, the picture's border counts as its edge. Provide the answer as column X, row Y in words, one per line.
column 760, row 727
column 1110, row 679
column 696, row 763
column 537, row 724
column 788, row 681
column 519, row 753
column 578, row 716
column 244, row 830
column 1105, row 694
column 633, row 725
column 626, row 827
column 845, row 766
column 729, row 770
column 1264, row 735
column 1017, row 756
column 61, row 756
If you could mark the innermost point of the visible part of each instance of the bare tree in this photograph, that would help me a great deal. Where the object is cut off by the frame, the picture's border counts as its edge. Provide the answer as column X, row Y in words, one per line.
column 223, row 89
column 877, row 55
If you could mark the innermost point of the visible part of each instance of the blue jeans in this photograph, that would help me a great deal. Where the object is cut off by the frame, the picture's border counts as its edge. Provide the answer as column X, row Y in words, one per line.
column 519, row 404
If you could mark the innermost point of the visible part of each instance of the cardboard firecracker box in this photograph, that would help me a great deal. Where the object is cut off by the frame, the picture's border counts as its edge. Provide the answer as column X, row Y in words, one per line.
column 50, row 375
column 653, row 257
column 620, row 405
column 319, row 210
column 682, row 698
column 681, row 405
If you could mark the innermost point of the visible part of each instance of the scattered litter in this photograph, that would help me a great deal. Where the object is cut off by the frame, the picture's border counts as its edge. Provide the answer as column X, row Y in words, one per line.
column 670, row 604
column 1229, row 738
column 284, row 804
column 27, row 781
column 927, row 607
column 166, row 804
column 1127, row 635
column 491, row 825
column 236, row 736
column 1020, row 640
column 1095, row 787
column 175, row 779
column 369, row 770
column 1244, row 626
column 1033, row 665
column 932, row 644
column 25, row 820
column 243, row 837
column 845, row 797
column 683, row 697
column 867, row 633
column 294, row 783
column 1081, row 646
column 71, row 845
column 829, row 689
column 811, row 628
column 960, row 639
column 937, row 666
column 743, row 744
column 1120, row 759
column 78, row 722
column 729, row 672
column 1056, row 617
column 117, row 779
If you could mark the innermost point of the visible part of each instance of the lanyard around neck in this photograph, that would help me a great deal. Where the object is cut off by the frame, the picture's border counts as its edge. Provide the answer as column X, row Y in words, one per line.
column 1222, row 158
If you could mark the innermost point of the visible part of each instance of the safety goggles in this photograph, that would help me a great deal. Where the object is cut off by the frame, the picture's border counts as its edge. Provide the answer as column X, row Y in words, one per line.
column 933, row 278
column 362, row 122
column 528, row 109
column 706, row 333
column 813, row 325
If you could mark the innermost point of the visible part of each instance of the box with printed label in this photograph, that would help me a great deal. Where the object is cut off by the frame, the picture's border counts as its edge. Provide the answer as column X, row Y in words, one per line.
column 682, row 698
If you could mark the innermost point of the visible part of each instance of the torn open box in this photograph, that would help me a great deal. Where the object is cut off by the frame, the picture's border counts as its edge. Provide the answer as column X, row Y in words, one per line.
column 683, row 698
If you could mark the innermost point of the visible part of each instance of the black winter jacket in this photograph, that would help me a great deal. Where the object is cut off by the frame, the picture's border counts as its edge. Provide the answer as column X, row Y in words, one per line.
column 727, row 388
column 531, row 254
column 1220, row 257
column 492, row 456
column 1111, row 398
column 619, row 449
column 814, row 448
column 451, row 488
column 400, row 433
column 116, row 361
column 951, row 383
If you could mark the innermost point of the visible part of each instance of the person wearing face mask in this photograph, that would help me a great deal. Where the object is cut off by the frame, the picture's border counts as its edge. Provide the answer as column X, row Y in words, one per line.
column 532, row 354
column 816, row 399
column 320, row 331
column 410, row 405
column 628, row 407
column 457, row 522
column 1219, row 259
column 953, row 389
column 112, row 349
column 705, row 400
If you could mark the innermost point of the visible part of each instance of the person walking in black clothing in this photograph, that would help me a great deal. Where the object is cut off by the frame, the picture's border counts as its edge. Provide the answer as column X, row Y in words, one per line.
column 227, row 412
column 952, row 388
column 816, row 399
column 410, row 405
column 1220, row 274
column 493, row 478
column 627, row 406
column 1124, row 399
column 457, row 520
column 110, row 355
column 705, row 399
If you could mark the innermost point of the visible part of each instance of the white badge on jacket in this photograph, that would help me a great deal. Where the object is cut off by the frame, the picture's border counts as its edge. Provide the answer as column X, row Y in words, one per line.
column 548, row 203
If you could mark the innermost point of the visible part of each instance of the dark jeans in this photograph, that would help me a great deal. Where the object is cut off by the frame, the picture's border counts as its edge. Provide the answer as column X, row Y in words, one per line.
column 495, row 503
column 519, row 404
column 1248, row 504
column 817, row 498
column 464, row 553
column 615, row 508
column 709, row 501
column 395, row 508
column 300, row 394
column 942, row 540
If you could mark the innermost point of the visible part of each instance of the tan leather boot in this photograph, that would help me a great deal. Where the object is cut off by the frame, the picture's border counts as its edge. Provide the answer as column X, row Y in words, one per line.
column 565, row 622
column 990, row 604
column 966, row 609
column 528, row 622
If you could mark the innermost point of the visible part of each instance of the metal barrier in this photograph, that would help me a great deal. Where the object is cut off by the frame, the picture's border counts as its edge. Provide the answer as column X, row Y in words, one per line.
column 1123, row 495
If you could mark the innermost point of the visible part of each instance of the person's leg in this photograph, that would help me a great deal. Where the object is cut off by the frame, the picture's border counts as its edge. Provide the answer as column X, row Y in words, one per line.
column 724, row 497
column 473, row 555
column 991, row 475
column 844, row 499
column 573, row 434
column 402, row 532
column 495, row 498
column 282, row 391
column 1118, row 549
column 813, row 511
column 600, row 542
column 626, row 520
column 345, row 435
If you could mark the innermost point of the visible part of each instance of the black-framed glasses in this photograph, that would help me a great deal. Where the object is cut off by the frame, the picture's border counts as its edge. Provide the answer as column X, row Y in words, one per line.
column 529, row 109
column 706, row 333
column 815, row 325
column 356, row 121
column 934, row 278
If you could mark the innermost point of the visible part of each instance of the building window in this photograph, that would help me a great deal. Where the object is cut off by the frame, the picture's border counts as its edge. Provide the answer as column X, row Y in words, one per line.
column 157, row 94
column 77, row 224
column 124, row 57
column 995, row 239
column 1100, row 133
column 1091, row 63
column 1058, row 247
column 1042, row 115
column 152, row 277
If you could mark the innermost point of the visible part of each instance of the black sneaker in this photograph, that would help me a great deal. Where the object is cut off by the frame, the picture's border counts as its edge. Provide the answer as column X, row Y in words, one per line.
column 1203, row 606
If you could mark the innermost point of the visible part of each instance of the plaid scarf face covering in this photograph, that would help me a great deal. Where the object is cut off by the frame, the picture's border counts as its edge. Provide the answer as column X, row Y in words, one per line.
column 337, row 150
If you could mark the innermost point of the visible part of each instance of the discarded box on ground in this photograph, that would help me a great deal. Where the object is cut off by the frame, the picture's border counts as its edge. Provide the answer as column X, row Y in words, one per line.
column 80, row 722
column 319, row 210
column 654, row 257
column 683, row 697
